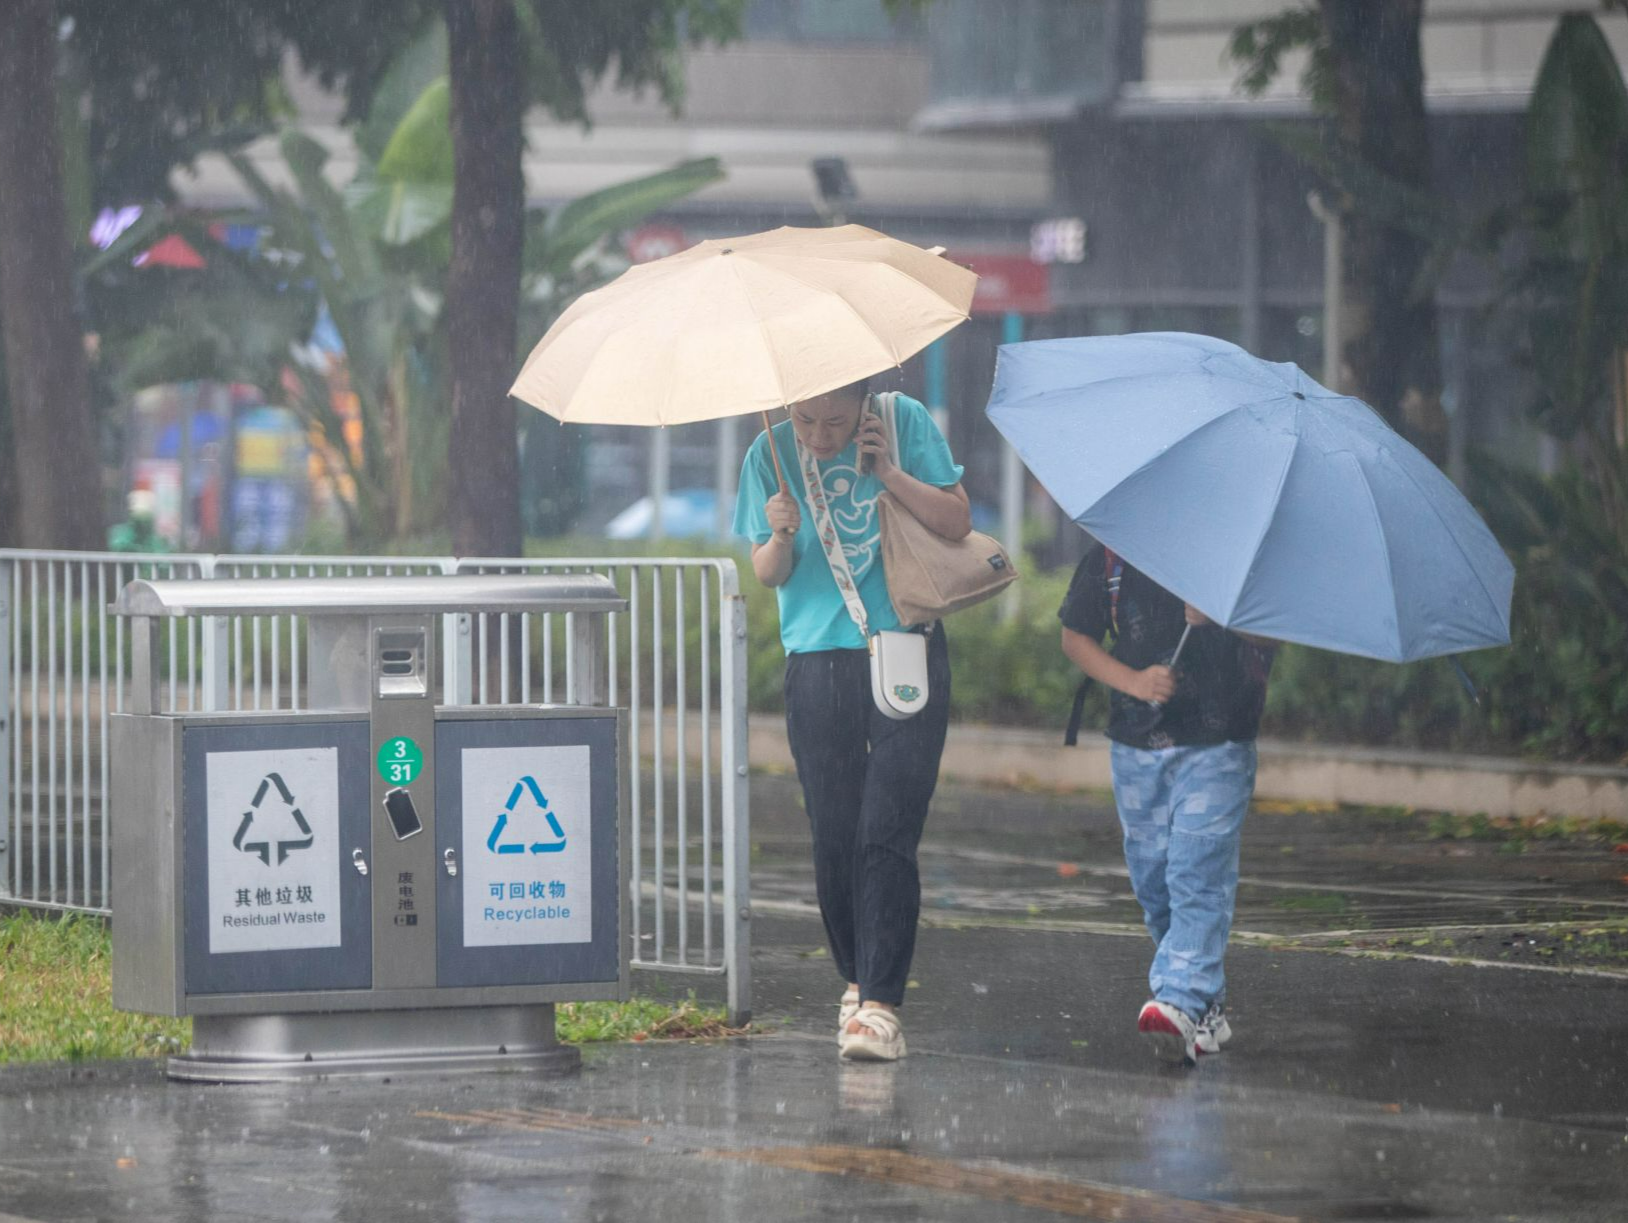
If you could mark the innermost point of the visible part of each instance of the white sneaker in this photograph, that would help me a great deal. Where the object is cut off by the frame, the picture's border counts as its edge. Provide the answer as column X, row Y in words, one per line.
column 1213, row 1030
column 1170, row 1031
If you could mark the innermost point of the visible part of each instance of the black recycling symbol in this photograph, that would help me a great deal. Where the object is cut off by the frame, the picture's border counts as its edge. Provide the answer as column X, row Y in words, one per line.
column 262, row 849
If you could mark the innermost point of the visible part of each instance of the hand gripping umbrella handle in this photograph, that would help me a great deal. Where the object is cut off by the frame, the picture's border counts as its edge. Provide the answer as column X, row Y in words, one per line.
column 1175, row 658
column 774, row 454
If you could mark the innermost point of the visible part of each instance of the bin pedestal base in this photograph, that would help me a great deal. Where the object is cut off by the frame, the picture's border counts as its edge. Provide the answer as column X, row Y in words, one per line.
column 273, row 1048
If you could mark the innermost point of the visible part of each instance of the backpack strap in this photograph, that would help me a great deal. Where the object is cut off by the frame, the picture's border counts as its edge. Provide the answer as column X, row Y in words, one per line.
column 1071, row 735
column 1113, row 573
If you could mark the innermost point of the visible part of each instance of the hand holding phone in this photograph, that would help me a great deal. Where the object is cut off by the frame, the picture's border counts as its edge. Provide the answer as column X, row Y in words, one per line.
column 871, row 439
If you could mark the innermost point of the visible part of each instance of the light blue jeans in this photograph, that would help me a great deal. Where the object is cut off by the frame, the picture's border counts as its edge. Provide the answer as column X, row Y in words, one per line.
column 1182, row 811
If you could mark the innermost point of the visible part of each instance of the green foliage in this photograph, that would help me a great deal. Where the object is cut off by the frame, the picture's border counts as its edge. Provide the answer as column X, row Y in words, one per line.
column 1570, row 529
column 571, row 46
column 376, row 255
column 159, row 81
column 232, row 320
column 57, row 1001
column 1574, row 275
column 1259, row 48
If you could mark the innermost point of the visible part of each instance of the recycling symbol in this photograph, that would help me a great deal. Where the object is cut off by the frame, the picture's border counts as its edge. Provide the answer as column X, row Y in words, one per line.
column 498, row 845
column 262, row 849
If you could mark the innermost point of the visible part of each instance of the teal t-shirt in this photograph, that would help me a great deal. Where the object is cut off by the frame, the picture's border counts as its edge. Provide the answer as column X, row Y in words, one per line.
column 812, row 613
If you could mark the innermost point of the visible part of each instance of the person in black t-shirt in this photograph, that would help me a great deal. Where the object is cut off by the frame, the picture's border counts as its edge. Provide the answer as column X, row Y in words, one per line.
column 1183, row 756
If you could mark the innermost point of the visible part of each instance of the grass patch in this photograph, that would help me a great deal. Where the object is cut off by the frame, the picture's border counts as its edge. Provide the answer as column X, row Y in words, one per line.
column 56, row 996
column 1581, row 944
column 1520, row 830
column 56, row 1002
column 1313, row 902
column 580, row 1023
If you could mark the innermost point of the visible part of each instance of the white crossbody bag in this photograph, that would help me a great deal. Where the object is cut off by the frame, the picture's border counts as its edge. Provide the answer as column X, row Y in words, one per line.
column 898, row 659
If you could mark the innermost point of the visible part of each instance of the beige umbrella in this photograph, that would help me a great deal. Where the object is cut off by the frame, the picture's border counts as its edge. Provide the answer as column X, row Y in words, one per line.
column 738, row 325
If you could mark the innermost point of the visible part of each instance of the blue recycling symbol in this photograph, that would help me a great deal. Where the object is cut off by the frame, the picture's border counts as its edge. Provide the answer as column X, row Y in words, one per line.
column 498, row 845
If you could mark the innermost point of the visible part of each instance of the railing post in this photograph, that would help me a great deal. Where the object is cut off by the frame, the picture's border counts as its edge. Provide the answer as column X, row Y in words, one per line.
column 737, row 822
column 214, row 651
column 8, row 729
column 586, row 676
column 144, row 673
column 457, row 671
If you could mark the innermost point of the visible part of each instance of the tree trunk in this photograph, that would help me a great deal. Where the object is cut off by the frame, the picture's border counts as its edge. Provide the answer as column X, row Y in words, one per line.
column 58, row 476
column 483, row 283
column 1391, row 351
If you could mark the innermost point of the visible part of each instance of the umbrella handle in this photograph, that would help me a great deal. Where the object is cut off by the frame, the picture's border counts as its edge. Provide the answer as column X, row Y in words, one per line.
column 1176, row 657
column 774, row 454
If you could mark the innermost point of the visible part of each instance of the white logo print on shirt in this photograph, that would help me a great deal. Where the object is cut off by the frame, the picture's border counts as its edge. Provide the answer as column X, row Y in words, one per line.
column 855, row 519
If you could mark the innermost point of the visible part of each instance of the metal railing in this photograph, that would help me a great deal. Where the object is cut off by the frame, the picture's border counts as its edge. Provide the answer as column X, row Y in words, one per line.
column 677, row 661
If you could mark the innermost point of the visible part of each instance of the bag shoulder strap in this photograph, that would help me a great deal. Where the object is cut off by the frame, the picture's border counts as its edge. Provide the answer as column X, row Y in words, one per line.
column 826, row 529
column 887, row 407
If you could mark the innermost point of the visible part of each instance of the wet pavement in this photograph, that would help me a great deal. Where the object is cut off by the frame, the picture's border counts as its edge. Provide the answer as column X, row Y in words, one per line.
column 1358, row 1085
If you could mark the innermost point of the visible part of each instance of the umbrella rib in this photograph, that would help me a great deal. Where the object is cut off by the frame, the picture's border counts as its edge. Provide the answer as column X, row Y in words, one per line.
column 847, row 305
column 1149, row 461
column 774, row 357
column 1453, row 535
column 892, row 348
column 1266, row 528
column 1200, row 376
column 1385, row 551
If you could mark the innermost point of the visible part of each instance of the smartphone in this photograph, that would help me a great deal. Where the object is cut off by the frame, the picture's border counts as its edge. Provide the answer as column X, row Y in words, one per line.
column 404, row 821
column 866, row 459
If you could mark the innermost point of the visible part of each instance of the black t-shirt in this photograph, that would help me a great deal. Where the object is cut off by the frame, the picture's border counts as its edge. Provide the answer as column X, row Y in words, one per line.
column 1220, row 679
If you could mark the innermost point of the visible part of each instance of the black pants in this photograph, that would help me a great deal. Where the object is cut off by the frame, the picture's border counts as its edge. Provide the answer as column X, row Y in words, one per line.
column 867, row 781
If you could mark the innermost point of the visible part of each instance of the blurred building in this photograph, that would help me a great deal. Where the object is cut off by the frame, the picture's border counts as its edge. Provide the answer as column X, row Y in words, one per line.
column 1094, row 160
column 1198, row 219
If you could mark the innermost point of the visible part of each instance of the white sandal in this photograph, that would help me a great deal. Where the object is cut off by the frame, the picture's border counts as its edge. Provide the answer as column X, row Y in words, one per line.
column 880, row 1037
column 846, row 1010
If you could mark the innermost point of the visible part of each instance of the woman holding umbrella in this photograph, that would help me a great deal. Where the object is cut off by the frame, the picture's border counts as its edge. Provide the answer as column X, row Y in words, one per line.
column 744, row 325
column 867, row 779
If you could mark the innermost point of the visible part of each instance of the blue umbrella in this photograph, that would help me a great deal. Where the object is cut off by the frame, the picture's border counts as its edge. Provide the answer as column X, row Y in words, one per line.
column 1262, row 498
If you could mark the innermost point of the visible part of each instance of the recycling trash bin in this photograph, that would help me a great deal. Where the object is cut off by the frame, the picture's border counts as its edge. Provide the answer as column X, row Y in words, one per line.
column 377, row 881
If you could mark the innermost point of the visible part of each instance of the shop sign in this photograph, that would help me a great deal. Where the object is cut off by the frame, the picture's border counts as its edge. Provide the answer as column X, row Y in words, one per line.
column 1007, row 284
column 655, row 241
column 1058, row 240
